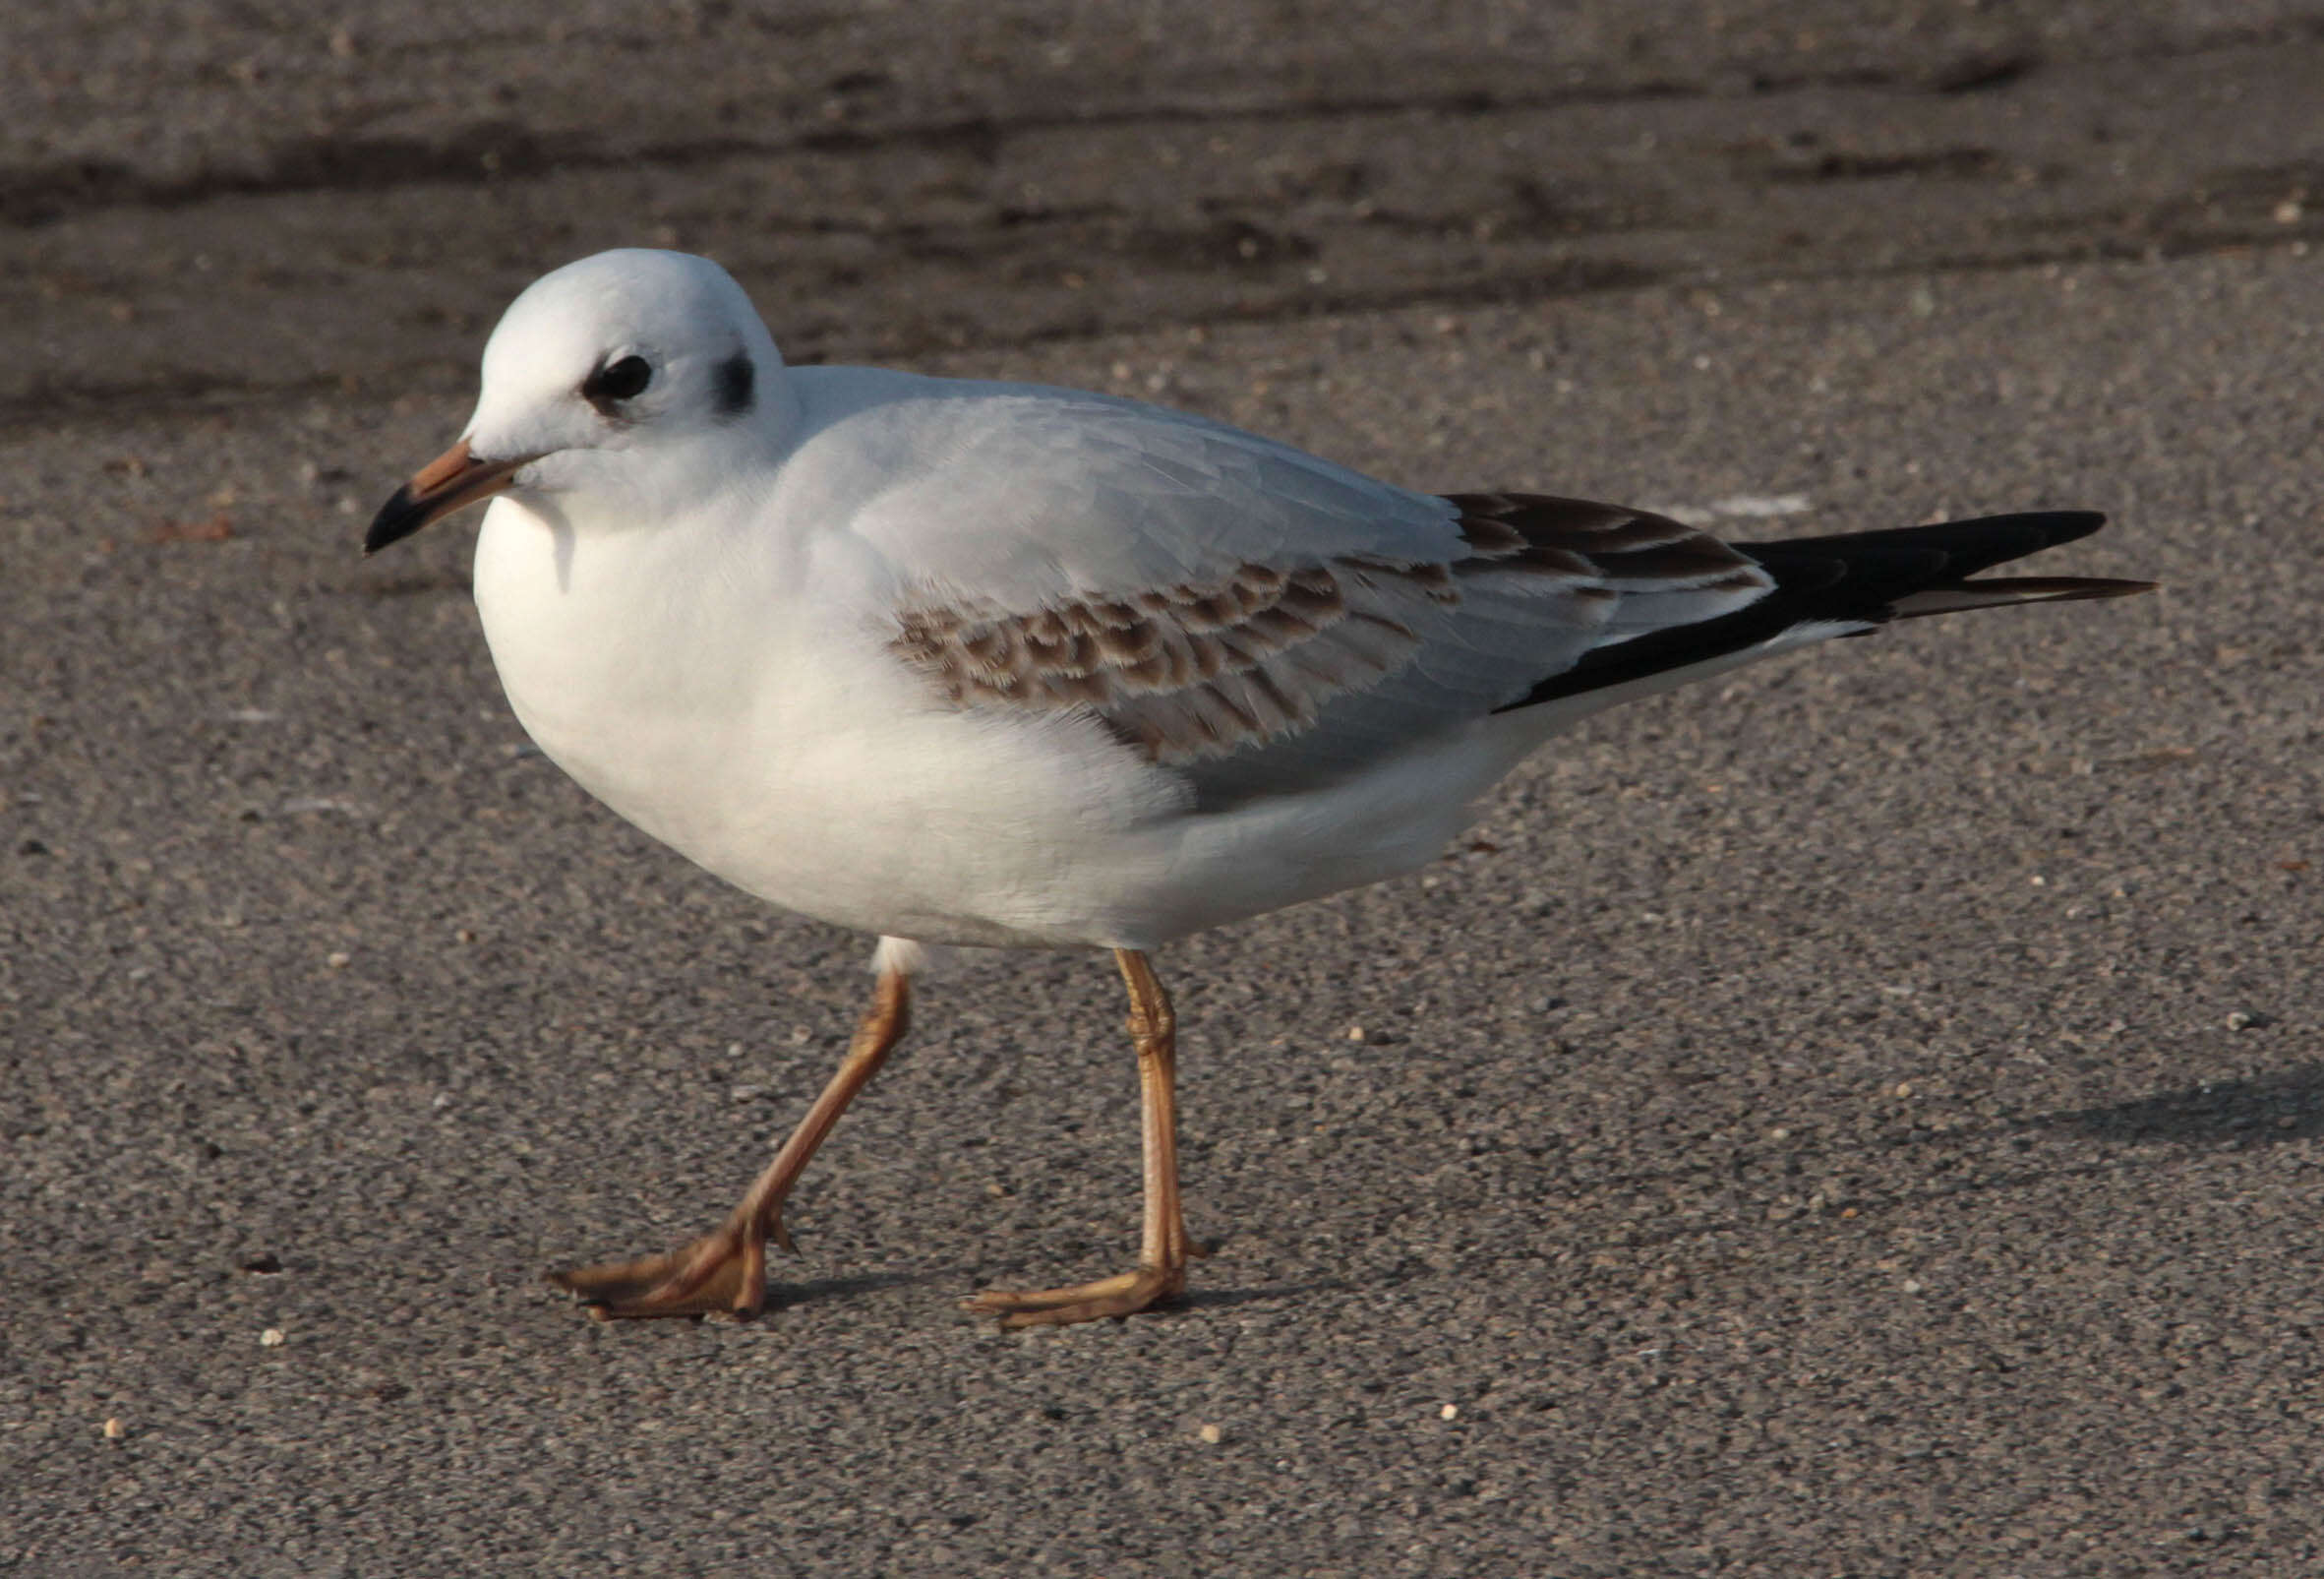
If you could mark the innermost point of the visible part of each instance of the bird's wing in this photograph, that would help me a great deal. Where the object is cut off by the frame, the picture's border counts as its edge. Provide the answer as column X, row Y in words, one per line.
column 1255, row 616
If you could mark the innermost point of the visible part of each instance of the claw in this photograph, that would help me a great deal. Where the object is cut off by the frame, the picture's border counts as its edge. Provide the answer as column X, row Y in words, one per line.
column 1123, row 1293
column 722, row 1271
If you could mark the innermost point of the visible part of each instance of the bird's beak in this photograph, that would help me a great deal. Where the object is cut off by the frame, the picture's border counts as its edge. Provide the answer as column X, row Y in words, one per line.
column 445, row 484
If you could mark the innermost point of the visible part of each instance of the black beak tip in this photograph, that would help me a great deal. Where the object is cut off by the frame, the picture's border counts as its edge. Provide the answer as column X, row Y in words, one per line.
column 397, row 519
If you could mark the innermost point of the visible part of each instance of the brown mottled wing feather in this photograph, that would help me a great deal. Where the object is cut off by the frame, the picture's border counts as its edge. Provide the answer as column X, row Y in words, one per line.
column 1276, row 674
column 1187, row 671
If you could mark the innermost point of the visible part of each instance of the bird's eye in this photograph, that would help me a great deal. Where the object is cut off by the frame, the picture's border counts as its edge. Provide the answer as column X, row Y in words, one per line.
column 619, row 381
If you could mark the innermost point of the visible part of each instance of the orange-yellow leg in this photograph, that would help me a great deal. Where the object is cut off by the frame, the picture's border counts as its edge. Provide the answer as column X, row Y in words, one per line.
column 1161, row 1273
column 726, row 1268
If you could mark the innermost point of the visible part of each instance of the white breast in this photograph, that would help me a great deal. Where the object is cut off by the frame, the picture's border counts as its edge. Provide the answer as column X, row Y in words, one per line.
column 720, row 699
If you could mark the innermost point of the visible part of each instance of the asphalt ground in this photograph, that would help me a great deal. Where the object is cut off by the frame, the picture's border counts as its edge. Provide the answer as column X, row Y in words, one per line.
column 1861, row 1116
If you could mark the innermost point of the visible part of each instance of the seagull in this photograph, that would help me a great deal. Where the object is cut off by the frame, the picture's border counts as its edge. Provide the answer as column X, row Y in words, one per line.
column 1002, row 665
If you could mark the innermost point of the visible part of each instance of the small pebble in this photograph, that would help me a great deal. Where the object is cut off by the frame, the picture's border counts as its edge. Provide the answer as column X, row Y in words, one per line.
column 271, row 1338
column 338, row 959
column 1448, row 1412
column 1355, row 1033
column 1209, row 1434
column 2239, row 1021
column 114, row 1429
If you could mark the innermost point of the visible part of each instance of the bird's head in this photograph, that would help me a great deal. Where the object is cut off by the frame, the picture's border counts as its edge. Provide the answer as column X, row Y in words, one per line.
column 655, row 357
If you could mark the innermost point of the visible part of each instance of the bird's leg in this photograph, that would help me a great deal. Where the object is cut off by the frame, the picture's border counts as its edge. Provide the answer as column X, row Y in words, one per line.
column 726, row 1268
column 1161, row 1273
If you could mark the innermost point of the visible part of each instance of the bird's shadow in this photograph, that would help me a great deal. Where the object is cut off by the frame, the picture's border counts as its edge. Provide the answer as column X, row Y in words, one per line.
column 2265, row 1109
column 2229, row 1114
column 2260, row 1109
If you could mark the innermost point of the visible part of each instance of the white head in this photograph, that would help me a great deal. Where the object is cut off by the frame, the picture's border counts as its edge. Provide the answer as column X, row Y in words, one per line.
column 617, row 378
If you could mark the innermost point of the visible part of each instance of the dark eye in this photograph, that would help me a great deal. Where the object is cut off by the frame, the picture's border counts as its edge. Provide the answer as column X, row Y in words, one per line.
column 619, row 381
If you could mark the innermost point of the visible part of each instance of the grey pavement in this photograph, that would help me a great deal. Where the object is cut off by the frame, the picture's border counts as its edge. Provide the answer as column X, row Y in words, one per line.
column 1860, row 1116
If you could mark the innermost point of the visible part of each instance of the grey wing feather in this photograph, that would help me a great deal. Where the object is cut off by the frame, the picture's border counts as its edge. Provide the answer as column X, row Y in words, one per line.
column 1279, row 676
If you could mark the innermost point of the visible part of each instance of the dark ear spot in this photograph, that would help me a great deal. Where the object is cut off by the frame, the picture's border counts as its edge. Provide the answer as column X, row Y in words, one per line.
column 733, row 384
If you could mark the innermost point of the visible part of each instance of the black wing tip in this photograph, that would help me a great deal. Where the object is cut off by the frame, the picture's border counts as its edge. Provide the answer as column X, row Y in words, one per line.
column 2081, row 522
column 1903, row 558
column 2055, row 525
column 2007, row 591
column 1861, row 579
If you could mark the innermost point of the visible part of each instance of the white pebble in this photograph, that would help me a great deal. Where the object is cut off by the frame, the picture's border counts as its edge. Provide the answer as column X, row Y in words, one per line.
column 1448, row 1412
column 1209, row 1434
column 271, row 1338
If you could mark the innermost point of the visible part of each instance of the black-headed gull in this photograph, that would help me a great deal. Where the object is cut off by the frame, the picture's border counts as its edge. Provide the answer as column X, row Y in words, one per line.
column 998, row 664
